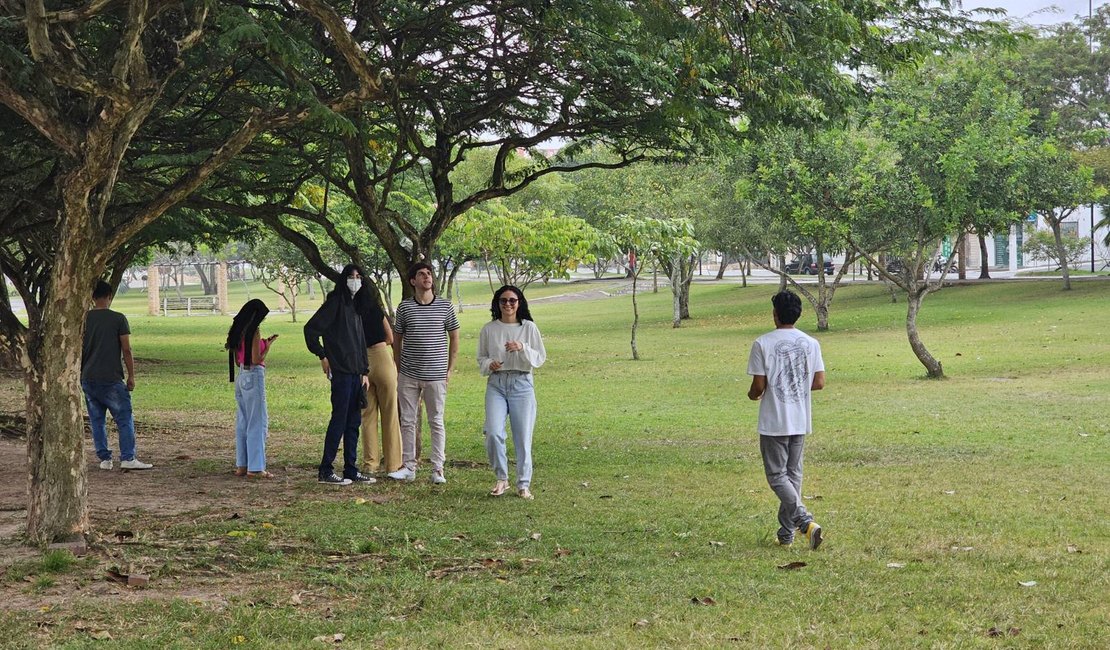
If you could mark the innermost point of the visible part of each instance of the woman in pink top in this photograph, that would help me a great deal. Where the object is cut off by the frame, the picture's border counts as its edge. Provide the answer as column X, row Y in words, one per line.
column 246, row 349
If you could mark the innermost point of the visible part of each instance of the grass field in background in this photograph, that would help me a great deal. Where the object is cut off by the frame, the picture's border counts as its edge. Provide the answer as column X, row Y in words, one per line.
column 939, row 498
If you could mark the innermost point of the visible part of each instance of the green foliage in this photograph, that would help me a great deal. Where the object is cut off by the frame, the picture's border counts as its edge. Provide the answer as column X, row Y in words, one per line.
column 1041, row 245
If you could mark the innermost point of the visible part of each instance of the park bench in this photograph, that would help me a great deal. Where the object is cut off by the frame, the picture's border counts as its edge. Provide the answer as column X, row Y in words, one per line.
column 189, row 305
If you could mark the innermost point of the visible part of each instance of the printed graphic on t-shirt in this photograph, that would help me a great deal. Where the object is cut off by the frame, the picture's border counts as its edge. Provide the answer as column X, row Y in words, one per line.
column 789, row 382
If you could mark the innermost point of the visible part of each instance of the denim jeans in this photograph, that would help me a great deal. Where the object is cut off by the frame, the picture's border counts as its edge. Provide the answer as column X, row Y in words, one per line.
column 251, row 419
column 343, row 426
column 103, row 397
column 510, row 394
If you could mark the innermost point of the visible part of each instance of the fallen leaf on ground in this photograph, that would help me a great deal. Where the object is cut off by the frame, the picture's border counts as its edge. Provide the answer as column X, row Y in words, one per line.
column 585, row 484
column 296, row 599
column 1014, row 631
column 713, row 543
column 101, row 635
column 458, row 538
column 536, row 536
column 182, row 457
column 359, row 501
column 963, row 548
column 705, row 600
column 949, row 491
column 242, row 533
column 1028, row 583
column 640, row 624
column 1072, row 548
column 123, row 534
column 267, row 525
column 792, row 565
column 562, row 552
column 234, row 515
column 895, row 565
column 117, row 576
column 994, row 632
column 606, row 496
column 330, row 638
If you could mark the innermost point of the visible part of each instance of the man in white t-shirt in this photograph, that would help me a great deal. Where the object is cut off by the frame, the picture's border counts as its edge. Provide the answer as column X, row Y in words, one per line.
column 786, row 366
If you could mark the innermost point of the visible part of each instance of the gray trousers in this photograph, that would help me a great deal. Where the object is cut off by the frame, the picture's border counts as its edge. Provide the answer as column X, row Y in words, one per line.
column 782, row 461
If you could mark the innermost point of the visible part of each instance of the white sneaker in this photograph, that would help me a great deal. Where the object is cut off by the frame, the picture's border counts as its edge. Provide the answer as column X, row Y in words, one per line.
column 437, row 477
column 403, row 474
column 106, row 464
column 134, row 463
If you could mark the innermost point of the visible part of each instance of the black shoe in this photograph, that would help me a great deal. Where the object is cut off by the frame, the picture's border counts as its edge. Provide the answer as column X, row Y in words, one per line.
column 332, row 479
column 362, row 478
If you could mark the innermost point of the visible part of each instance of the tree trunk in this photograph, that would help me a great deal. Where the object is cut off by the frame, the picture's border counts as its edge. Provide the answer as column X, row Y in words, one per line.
column 58, row 505
column 932, row 367
column 1061, row 253
column 684, row 297
column 984, row 268
column 721, row 268
column 782, row 276
column 745, row 271
column 635, row 319
column 205, row 282
column 676, row 293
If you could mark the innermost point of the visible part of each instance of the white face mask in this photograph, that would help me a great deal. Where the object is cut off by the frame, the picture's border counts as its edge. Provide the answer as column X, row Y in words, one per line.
column 354, row 284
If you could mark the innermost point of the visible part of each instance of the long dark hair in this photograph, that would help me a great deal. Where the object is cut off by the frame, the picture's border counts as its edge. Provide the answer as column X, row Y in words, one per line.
column 522, row 313
column 242, row 330
column 341, row 286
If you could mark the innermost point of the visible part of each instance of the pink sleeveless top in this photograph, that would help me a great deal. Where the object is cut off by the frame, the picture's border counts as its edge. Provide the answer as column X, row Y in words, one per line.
column 241, row 353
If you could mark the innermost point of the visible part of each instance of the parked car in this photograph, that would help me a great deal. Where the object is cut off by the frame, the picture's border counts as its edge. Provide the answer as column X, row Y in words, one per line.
column 807, row 265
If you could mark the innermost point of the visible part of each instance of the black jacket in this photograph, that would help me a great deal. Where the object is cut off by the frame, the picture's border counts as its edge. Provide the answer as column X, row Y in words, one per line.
column 339, row 324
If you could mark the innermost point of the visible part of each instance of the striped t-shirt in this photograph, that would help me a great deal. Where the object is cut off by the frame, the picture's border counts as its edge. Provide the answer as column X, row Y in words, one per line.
column 423, row 331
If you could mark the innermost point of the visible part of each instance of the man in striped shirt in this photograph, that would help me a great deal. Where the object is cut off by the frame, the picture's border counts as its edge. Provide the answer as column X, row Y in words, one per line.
column 425, row 344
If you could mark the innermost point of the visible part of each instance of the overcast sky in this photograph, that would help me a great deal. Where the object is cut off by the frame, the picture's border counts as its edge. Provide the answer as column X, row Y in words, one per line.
column 1035, row 12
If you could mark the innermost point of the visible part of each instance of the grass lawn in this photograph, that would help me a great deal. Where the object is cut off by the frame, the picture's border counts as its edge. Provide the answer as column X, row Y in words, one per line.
column 968, row 512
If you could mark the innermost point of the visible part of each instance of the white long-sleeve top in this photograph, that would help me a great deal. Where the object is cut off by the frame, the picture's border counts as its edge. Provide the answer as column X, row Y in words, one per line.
column 491, row 346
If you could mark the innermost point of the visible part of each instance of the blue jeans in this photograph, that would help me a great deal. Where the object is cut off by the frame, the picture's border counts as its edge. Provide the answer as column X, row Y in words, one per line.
column 346, row 417
column 251, row 419
column 510, row 394
column 113, row 396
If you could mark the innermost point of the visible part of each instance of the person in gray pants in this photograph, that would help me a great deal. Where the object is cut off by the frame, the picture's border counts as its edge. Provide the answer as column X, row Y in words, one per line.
column 786, row 367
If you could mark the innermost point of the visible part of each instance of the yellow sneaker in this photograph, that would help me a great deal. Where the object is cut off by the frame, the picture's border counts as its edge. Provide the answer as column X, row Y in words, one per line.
column 813, row 535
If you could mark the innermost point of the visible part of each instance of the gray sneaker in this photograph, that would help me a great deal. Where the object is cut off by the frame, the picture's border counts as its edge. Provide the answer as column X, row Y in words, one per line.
column 437, row 477
column 106, row 464
column 134, row 463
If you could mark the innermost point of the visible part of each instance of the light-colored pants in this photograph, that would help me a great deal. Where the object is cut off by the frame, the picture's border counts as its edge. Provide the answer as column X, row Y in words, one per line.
column 408, row 399
column 782, row 461
column 381, row 400
column 251, row 419
column 510, row 394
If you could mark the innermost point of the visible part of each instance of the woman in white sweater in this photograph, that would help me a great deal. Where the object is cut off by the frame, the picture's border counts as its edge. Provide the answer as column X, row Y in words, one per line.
column 509, row 347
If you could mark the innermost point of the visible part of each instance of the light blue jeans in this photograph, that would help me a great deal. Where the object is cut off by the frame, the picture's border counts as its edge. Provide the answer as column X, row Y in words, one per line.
column 510, row 395
column 782, row 462
column 104, row 397
column 251, row 419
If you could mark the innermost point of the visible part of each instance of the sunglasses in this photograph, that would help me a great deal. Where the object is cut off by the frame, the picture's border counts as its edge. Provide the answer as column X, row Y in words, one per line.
column 508, row 301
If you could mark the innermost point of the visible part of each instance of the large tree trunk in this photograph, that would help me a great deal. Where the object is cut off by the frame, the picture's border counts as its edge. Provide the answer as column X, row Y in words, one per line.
column 932, row 367
column 782, row 275
column 676, row 293
column 684, row 297
column 1061, row 253
column 984, row 268
column 205, row 282
column 721, row 268
column 58, row 507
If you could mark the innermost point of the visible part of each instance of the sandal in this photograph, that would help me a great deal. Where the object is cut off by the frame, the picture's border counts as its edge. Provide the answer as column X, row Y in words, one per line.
column 262, row 474
column 240, row 471
column 499, row 488
column 525, row 494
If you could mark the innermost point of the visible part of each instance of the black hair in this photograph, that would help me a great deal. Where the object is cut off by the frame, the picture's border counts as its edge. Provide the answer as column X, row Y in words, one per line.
column 341, row 286
column 788, row 307
column 415, row 268
column 243, row 328
column 522, row 313
column 101, row 290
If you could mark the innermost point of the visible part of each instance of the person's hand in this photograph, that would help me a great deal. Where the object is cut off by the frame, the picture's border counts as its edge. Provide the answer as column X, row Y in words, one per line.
column 494, row 366
column 365, row 382
column 130, row 384
column 450, row 371
column 513, row 346
column 271, row 338
column 326, row 366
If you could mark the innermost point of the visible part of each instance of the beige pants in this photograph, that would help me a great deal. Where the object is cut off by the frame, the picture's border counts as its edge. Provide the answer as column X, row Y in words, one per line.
column 381, row 400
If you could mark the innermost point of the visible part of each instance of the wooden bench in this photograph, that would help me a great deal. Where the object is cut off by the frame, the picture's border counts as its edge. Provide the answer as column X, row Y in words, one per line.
column 189, row 305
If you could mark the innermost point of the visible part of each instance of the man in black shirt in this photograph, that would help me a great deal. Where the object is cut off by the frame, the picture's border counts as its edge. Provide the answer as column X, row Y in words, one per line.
column 107, row 341
column 343, row 360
